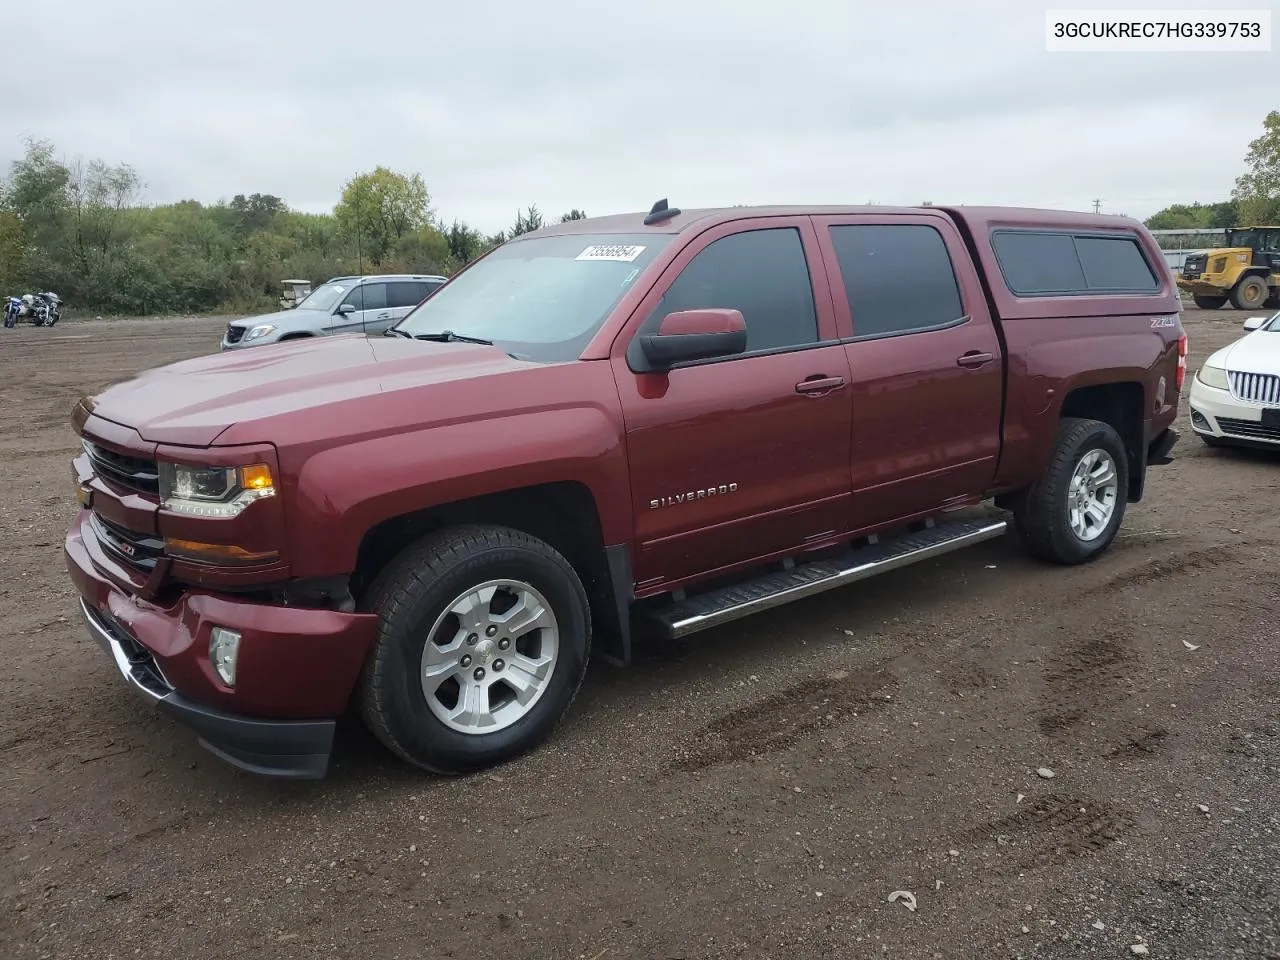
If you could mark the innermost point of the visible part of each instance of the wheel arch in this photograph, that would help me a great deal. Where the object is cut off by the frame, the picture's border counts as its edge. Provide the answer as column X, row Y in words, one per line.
column 564, row 514
column 1120, row 404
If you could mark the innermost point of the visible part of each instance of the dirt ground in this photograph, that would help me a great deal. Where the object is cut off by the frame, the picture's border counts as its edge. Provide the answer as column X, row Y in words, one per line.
column 757, row 792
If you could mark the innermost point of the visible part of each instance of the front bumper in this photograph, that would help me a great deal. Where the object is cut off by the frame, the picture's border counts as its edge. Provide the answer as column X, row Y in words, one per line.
column 1216, row 413
column 295, row 671
column 1203, row 287
column 297, row 748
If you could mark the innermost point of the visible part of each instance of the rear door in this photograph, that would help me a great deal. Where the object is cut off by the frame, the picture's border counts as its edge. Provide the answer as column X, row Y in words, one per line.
column 370, row 301
column 746, row 456
column 925, row 360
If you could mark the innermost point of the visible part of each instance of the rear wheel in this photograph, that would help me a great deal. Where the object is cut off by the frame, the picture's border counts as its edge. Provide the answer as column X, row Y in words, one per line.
column 484, row 634
column 1250, row 293
column 1208, row 303
column 1072, row 513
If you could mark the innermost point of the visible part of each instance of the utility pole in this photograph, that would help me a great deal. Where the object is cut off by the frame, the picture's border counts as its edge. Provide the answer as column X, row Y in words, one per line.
column 1097, row 206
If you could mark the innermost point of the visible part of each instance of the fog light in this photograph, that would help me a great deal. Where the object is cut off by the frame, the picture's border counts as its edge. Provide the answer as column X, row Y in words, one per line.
column 224, row 645
column 1198, row 419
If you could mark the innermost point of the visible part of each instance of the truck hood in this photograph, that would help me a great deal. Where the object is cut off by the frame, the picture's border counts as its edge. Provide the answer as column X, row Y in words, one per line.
column 1258, row 352
column 192, row 402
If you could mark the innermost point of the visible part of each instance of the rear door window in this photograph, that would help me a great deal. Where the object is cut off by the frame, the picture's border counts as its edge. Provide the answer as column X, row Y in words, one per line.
column 898, row 278
column 405, row 293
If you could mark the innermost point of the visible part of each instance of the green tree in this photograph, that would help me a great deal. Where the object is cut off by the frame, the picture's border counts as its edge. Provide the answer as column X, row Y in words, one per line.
column 527, row 221
column 574, row 214
column 98, row 196
column 379, row 208
column 37, row 187
column 13, row 253
column 1257, row 190
column 1194, row 216
column 465, row 243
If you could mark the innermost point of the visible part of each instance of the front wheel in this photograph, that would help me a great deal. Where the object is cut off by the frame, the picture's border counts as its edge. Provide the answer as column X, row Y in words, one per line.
column 1072, row 513
column 1250, row 293
column 1208, row 303
column 484, row 634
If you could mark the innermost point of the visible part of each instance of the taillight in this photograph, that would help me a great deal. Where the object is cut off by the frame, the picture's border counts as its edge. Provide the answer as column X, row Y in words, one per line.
column 1182, row 361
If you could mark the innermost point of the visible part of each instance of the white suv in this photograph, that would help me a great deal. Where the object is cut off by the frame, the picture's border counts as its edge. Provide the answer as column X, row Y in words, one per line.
column 341, row 305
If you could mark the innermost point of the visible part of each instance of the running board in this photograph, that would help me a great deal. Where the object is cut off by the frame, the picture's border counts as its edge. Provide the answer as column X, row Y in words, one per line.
column 726, row 604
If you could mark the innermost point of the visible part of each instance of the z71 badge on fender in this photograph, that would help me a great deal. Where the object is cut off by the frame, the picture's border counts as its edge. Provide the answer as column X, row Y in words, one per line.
column 1157, row 322
column 693, row 495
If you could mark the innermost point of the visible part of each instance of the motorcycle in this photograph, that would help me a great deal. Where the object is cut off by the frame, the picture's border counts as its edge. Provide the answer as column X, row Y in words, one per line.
column 41, row 309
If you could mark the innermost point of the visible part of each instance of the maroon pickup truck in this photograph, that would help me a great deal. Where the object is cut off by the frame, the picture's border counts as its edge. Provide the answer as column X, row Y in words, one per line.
column 668, row 420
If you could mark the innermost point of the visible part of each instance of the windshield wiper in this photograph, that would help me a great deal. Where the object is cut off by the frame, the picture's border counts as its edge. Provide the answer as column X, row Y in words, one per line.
column 396, row 332
column 448, row 336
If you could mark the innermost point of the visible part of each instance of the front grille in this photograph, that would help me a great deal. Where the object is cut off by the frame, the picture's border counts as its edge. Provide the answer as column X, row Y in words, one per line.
column 234, row 333
column 1195, row 265
column 139, row 551
column 1251, row 429
column 1256, row 387
column 133, row 473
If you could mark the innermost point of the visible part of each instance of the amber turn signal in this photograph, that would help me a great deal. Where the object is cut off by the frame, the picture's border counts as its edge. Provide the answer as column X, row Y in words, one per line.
column 222, row 553
column 256, row 477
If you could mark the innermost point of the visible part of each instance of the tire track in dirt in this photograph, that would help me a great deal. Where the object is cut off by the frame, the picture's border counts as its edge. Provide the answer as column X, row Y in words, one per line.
column 1054, row 829
column 1190, row 561
column 786, row 717
column 1085, row 678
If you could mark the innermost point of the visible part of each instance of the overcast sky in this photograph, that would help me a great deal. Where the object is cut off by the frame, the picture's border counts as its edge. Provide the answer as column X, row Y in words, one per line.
column 608, row 106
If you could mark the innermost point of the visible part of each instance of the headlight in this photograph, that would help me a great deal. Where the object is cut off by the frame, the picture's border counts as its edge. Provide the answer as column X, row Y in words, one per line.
column 1213, row 377
column 260, row 331
column 213, row 491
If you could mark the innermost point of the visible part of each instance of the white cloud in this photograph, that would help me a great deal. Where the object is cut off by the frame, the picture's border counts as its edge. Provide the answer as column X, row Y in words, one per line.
column 503, row 103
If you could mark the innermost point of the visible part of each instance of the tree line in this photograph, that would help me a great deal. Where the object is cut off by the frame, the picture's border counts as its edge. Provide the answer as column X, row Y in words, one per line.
column 1254, row 201
column 80, row 228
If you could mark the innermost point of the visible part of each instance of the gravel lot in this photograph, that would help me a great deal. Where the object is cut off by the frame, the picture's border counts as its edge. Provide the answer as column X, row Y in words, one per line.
column 758, row 792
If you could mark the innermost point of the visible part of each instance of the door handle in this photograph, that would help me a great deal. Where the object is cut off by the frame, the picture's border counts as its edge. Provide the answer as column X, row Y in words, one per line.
column 973, row 359
column 819, row 384
column 383, row 316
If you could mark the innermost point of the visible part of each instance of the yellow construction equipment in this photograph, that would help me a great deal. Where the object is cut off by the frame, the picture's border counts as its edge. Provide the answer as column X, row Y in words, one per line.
column 1246, row 271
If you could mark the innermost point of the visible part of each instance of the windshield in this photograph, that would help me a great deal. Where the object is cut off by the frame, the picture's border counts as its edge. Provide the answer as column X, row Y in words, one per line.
column 539, row 299
column 1267, row 240
column 1272, row 325
column 324, row 297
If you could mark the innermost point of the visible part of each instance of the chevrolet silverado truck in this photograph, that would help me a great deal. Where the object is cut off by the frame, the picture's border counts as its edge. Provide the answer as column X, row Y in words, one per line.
column 658, row 421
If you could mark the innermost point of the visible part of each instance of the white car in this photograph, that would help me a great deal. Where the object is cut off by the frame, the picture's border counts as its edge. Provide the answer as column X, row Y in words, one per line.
column 1235, row 396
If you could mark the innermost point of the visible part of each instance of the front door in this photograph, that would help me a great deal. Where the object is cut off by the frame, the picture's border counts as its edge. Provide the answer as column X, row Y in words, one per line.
column 738, row 458
column 926, row 363
column 370, row 302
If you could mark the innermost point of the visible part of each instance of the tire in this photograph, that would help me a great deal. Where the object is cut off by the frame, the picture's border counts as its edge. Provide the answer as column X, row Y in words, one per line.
column 1208, row 303
column 1044, row 515
column 1250, row 293
column 413, row 597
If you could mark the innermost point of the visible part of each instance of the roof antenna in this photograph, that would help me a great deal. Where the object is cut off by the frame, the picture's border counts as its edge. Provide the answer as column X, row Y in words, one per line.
column 659, row 212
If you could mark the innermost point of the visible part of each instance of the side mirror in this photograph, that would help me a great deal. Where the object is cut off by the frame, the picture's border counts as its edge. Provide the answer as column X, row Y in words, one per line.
column 1253, row 323
column 695, row 335
column 346, row 310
